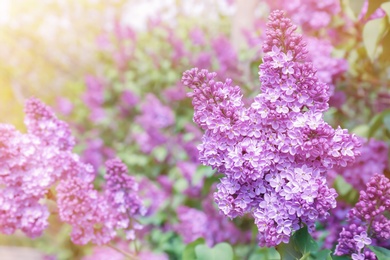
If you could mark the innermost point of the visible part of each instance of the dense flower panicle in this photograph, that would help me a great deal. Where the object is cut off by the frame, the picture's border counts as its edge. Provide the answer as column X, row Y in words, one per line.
column 30, row 165
column 121, row 192
column 275, row 153
column 95, row 216
column 367, row 221
column 328, row 68
column 41, row 122
column 81, row 206
column 373, row 159
column 216, row 104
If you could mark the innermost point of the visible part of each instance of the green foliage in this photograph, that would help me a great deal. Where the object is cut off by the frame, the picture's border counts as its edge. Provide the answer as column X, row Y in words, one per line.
column 197, row 250
column 302, row 246
column 189, row 250
column 380, row 252
column 373, row 33
column 379, row 120
column 219, row 251
column 264, row 253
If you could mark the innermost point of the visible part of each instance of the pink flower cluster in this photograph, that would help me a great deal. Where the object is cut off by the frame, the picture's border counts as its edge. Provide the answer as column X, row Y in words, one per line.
column 33, row 164
column 275, row 153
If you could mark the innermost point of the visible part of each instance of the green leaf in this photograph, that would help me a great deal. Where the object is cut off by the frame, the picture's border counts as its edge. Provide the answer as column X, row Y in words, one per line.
column 264, row 253
column 189, row 250
column 300, row 246
column 160, row 153
column 356, row 6
column 386, row 121
column 218, row 252
column 289, row 251
column 377, row 121
column 305, row 243
column 342, row 187
column 373, row 32
column 321, row 255
column 361, row 130
column 373, row 5
column 380, row 252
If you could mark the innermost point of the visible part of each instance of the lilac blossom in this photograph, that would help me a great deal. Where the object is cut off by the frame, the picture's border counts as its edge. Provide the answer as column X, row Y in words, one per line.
column 209, row 224
column 30, row 164
column 367, row 223
column 291, row 140
column 95, row 217
column 33, row 164
column 310, row 14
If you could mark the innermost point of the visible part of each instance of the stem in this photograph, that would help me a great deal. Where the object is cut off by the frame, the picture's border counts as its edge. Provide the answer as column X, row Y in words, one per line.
column 127, row 255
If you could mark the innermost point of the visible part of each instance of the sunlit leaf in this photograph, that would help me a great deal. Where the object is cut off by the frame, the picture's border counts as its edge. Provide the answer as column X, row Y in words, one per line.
column 373, row 32
column 218, row 252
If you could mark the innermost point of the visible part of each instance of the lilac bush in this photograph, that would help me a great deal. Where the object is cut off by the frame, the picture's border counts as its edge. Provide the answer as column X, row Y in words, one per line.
column 123, row 179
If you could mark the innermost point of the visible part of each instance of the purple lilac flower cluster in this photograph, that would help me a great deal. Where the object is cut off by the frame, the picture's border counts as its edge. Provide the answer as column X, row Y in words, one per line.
column 332, row 226
column 367, row 221
column 154, row 117
column 373, row 159
column 328, row 68
column 310, row 14
column 30, row 164
column 275, row 153
column 96, row 216
column 209, row 224
column 33, row 163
